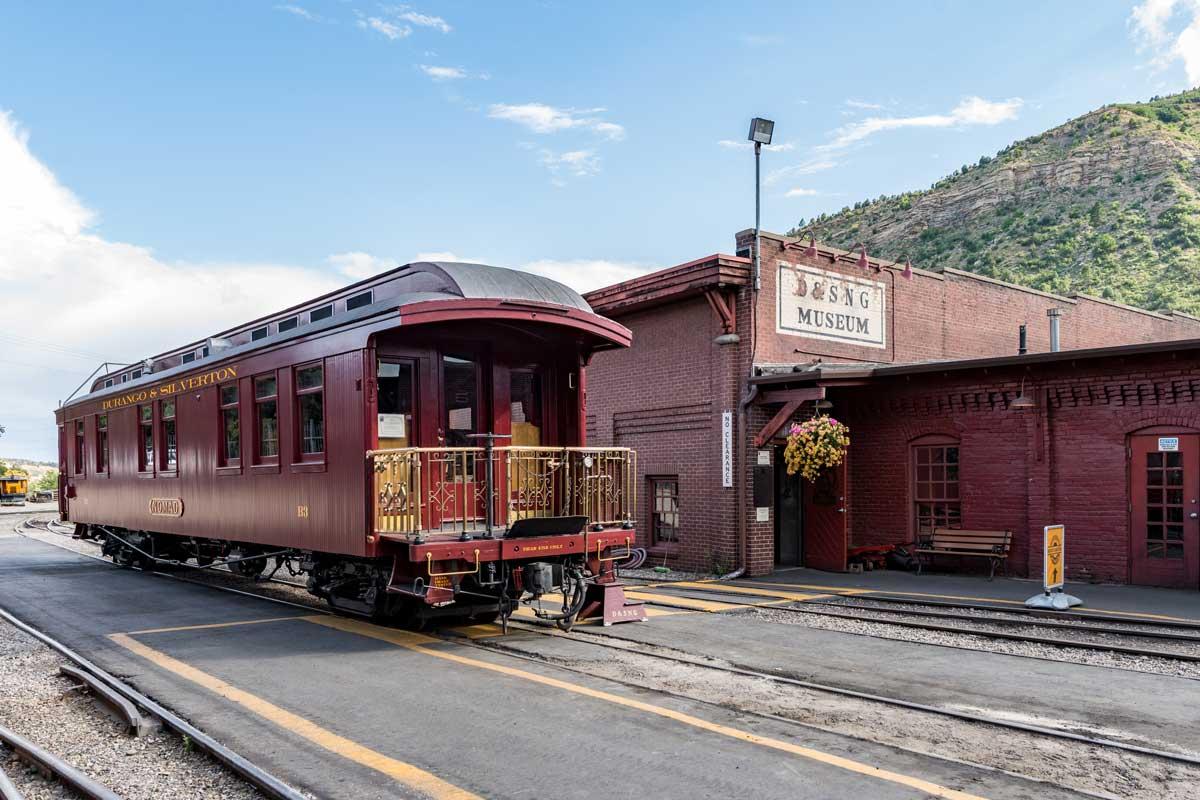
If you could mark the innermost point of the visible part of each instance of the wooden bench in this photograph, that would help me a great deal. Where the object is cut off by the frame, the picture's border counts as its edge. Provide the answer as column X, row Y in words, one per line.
column 992, row 545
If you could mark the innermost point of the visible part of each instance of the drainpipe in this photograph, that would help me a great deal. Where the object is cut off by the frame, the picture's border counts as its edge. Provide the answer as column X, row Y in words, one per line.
column 1054, row 314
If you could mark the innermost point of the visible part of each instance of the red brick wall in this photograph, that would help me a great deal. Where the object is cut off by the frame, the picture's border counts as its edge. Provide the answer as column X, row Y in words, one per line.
column 1064, row 462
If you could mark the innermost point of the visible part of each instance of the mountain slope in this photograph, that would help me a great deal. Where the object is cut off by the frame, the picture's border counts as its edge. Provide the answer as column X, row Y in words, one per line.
column 1107, row 204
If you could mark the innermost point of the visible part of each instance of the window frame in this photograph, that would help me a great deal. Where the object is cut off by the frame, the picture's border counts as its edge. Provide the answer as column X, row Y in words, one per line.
column 146, row 466
column 102, row 445
column 943, row 498
column 326, row 312
column 656, row 540
column 289, row 324
column 80, row 448
column 260, row 462
column 164, row 468
column 303, row 461
column 265, row 330
column 188, row 358
column 226, row 464
column 357, row 299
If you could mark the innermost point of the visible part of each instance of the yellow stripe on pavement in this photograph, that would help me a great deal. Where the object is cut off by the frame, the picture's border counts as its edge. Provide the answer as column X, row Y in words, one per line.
column 689, row 602
column 418, row 643
column 214, row 625
column 413, row 777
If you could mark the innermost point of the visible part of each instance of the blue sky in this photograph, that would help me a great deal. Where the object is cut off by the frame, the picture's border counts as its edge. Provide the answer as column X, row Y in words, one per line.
column 228, row 157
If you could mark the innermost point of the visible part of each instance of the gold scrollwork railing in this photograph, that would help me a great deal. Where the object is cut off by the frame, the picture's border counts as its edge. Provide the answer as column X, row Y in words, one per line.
column 419, row 490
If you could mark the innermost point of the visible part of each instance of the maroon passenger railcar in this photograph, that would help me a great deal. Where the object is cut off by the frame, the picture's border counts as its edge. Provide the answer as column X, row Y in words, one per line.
column 414, row 443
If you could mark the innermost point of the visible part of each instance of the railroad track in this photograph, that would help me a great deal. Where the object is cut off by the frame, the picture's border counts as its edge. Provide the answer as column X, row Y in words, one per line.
column 967, row 624
column 604, row 641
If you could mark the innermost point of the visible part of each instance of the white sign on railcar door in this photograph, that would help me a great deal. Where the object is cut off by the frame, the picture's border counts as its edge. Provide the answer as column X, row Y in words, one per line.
column 391, row 426
column 1168, row 444
column 727, row 449
column 827, row 305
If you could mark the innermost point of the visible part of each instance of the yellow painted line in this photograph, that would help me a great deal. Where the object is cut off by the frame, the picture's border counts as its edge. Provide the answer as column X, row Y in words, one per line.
column 213, row 625
column 525, row 612
column 418, row 643
column 689, row 602
column 978, row 599
column 726, row 588
column 412, row 777
column 485, row 631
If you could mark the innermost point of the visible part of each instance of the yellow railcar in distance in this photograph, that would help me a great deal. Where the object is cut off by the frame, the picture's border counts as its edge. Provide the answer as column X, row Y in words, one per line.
column 13, row 489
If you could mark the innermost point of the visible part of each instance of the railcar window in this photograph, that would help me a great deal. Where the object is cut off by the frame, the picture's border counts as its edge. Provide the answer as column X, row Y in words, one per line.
column 146, row 438
column 102, row 443
column 396, row 393
column 189, row 358
column 259, row 333
column 460, row 388
column 170, row 448
column 231, row 428
column 318, row 314
column 80, row 438
column 133, row 376
column 664, row 511
column 359, row 300
column 266, row 417
column 108, row 383
column 310, row 400
column 525, row 387
column 288, row 324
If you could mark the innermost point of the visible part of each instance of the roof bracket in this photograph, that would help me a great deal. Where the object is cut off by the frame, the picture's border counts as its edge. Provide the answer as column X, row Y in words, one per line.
column 726, row 309
column 793, row 399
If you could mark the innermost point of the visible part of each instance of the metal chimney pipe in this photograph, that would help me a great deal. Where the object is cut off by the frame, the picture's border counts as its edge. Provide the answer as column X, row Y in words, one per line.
column 1022, row 343
column 1054, row 314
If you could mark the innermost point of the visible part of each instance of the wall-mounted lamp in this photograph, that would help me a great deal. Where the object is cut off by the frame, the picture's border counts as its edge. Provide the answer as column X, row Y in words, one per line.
column 1021, row 401
column 863, row 262
column 811, row 250
column 823, row 405
column 907, row 274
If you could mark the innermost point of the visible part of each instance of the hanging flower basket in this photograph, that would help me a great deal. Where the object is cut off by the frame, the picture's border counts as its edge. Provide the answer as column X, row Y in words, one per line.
column 815, row 445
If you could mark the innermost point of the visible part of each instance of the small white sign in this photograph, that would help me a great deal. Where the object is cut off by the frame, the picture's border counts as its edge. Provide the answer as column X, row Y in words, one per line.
column 1168, row 444
column 391, row 426
column 727, row 449
column 764, row 458
column 763, row 514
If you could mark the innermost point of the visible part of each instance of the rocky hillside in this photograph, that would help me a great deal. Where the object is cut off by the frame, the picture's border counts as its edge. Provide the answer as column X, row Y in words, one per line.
column 1107, row 204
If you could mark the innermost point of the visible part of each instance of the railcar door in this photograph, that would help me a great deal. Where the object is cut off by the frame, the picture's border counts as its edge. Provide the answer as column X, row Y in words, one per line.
column 1164, row 476
column 456, row 500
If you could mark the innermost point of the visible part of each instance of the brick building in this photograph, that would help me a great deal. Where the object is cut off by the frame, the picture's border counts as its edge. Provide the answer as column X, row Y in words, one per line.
column 924, row 367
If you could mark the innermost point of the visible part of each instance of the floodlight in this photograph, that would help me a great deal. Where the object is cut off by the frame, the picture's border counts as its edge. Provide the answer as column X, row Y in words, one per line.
column 761, row 130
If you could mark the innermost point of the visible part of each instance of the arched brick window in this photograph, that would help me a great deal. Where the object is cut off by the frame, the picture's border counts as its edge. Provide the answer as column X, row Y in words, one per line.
column 936, row 500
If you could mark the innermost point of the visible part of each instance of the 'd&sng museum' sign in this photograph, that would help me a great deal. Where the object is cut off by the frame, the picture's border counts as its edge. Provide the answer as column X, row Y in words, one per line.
column 828, row 305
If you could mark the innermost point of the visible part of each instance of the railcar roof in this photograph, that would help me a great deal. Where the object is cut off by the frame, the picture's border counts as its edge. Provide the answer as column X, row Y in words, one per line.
column 405, row 285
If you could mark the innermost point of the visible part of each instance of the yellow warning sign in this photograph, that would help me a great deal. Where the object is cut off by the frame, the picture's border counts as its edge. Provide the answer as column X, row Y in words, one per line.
column 1053, row 565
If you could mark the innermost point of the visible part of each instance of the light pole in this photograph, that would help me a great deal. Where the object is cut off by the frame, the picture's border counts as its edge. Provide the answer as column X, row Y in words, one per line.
column 760, row 133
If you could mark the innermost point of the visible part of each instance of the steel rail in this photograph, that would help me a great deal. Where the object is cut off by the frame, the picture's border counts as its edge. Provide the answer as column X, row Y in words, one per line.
column 959, row 629
column 984, row 606
column 779, row 678
column 270, row 785
column 8, row 791
column 135, row 723
column 627, row 646
column 49, row 763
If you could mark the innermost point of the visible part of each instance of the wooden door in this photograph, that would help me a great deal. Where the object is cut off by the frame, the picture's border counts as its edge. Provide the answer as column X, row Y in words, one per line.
column 826, row 505
column 1164, row 474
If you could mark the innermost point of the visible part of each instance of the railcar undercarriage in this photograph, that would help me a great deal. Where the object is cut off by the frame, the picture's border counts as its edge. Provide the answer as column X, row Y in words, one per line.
column 555, row 589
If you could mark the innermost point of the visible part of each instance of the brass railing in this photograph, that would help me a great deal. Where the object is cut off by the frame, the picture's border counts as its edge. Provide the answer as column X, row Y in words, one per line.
column 419, row 490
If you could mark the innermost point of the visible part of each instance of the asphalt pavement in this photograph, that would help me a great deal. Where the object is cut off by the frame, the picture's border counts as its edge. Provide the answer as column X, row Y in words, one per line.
column 344, row 708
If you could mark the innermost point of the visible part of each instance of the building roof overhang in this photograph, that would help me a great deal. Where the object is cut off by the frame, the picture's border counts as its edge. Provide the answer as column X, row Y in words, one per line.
column 674, row 283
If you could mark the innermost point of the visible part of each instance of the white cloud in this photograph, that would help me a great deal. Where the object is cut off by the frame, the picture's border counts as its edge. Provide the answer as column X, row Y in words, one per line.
column 357, row 264
column 542, row 118
column 389, row 29
column 1151, row 23
column 798, row 192
column 443, row 73
column 971, row 111
column 125, row 301
column 583, row 274
column 734, row 144
column 864, row 105
column 807, row 167
column 572, row 163
column 299, row 11
column 422, row 20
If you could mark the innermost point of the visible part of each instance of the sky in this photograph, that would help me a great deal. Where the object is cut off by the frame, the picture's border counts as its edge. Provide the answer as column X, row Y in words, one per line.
column 168, row 170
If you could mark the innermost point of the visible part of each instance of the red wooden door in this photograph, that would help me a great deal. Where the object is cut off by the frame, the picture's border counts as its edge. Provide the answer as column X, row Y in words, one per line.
column 825, row 512
column 1165, row 523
